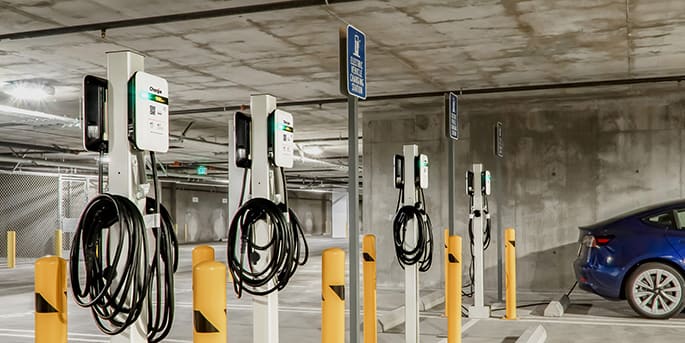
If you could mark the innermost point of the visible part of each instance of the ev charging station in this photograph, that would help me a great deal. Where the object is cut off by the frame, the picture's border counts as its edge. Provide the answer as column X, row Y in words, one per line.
column 412, row 231
column 265, row 239
column 125, row 239
column 478, row 188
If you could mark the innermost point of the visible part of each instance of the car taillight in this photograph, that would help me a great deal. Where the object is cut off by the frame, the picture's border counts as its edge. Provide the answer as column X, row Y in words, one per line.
column 596, row 242
column 603, row 240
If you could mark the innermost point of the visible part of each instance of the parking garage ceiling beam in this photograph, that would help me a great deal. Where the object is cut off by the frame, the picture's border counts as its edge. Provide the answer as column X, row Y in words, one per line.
column 170, row 18
column 466, row 91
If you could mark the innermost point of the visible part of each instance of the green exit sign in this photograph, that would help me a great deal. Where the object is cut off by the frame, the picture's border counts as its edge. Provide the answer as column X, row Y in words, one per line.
column 201, row 170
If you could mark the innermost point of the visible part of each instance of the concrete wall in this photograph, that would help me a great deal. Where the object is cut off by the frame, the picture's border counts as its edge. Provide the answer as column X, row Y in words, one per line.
column 571, row 159
column 201, row 213
column 339, row 215
column 314, row 211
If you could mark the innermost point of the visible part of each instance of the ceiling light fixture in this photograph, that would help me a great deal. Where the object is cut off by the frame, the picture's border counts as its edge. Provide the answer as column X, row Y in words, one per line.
column 20, row 112
column 29, row 91
column 313, row 150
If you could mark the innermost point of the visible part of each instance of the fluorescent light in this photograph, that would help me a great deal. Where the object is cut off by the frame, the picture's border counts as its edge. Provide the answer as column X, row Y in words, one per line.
column 313, row 150
column 16, row 111
column 29, row 91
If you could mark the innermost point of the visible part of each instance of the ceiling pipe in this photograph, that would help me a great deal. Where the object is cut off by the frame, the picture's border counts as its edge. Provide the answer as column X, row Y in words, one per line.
column 38, row 148
column 169, row 18
column 47, row 163
column 467, row 91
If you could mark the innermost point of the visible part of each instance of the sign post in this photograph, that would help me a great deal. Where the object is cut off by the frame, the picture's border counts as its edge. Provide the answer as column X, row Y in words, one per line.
column 452, row 133
column 499, row 154
column 353, row 85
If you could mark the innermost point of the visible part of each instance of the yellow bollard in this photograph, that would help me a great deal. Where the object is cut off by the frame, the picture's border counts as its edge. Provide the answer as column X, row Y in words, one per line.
column 454, row 290
column 185, row 233
column 510, row 272
column 370, row 322
column 445, row 239
column 11, row 249
column 202, row 253
column 209, row 302
column 58, row 243
column 333, row 296
column 51, row 300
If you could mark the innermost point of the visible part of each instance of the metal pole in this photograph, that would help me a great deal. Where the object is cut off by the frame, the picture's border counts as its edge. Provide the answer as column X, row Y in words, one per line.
column 265, row 308
column 411, row 273
column 121, row 65
column 498, row 214
column 353, row 220
column 450, row 186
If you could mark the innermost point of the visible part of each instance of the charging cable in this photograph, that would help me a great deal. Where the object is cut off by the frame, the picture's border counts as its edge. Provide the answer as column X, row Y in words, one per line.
column 111, row 249
column 285, row 249
column 422, row 252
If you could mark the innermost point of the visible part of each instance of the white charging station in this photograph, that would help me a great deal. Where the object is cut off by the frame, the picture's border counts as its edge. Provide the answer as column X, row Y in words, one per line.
column 127, row 116
column 478, row 188
column 412, row 231
column 265, row 235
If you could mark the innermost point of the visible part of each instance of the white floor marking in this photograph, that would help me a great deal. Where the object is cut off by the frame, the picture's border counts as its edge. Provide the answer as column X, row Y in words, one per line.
column 469, row 325
column 679, row 325
column 16, row 315
column 73, row 336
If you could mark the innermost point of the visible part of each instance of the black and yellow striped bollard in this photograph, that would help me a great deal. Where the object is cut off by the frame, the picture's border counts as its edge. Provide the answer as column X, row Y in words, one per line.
column 333, row 296
column 209, row 297
column 51, row 300
column 454, row 283
column 370, row 322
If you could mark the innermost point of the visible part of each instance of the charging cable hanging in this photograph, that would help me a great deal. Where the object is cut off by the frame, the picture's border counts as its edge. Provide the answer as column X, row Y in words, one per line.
column 286, row 249
column 422, row 252
column 111, row 248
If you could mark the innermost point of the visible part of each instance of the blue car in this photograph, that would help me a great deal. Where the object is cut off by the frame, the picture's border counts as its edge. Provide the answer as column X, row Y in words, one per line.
column 639, row 257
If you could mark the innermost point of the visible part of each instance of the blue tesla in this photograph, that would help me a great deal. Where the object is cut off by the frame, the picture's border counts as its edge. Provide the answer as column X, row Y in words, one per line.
column 639, row 257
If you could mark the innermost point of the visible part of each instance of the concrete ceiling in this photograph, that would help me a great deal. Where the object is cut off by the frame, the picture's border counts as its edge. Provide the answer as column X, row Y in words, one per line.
column 415, row 45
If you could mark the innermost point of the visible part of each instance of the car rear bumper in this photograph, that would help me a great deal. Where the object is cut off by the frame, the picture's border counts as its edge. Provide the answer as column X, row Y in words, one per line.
column 602, row 280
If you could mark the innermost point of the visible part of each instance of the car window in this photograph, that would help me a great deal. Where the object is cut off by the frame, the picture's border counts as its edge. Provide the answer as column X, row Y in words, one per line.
column 681, row 218
column 664, row 220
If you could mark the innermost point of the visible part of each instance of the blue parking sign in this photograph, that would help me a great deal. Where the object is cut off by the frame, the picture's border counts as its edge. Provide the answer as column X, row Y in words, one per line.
column 356, row 62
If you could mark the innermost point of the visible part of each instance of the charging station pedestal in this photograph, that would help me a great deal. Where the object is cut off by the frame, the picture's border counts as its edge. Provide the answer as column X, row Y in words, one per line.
column 411, row 273
column 265, row 308
column 125, row 164
column 477, row 211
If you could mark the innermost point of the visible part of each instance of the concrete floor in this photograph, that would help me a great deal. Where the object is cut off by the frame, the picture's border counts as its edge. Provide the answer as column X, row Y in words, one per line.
column 589, row 319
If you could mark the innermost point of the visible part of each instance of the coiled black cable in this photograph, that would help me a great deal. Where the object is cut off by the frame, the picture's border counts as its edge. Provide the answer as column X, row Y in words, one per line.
column 487, row 238
column 116, row 297
column 286, row 249
column 283, row 248
column 116, row 267
column 422, row 252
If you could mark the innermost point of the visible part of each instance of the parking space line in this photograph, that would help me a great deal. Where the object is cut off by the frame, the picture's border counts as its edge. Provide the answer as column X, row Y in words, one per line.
column 606, row 323
column 73, row 336
column 469, row 325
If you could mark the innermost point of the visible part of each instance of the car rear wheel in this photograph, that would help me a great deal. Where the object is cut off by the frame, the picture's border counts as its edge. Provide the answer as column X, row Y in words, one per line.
column 656, row 291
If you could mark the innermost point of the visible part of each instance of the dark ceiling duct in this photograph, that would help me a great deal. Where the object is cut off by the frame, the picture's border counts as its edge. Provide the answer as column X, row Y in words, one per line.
column 170, row 18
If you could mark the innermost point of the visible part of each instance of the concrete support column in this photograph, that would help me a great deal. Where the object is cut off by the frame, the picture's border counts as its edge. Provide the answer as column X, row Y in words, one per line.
column 339, row 202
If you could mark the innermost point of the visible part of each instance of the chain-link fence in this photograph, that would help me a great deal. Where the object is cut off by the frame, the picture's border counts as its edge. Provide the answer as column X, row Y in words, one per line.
column 74, row 194
column 35, row 205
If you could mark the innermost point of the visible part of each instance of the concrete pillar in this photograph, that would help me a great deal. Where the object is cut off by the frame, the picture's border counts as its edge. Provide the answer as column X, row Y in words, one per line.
column 339, row 202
